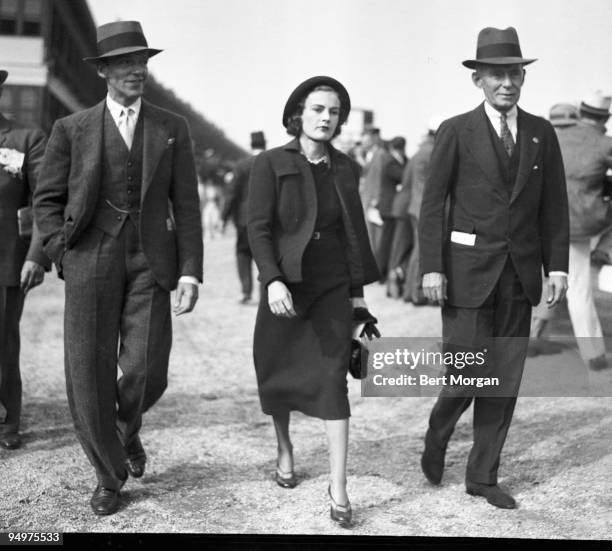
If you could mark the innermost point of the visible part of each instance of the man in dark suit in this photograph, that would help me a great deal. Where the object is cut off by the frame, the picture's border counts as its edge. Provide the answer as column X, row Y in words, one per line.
column 391, row 177
column 22, row 260
column 117, row 208
column 236, row 202
column 494, row 213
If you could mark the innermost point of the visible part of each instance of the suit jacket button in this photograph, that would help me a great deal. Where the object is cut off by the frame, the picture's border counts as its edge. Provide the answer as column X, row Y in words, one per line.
column 536, row 167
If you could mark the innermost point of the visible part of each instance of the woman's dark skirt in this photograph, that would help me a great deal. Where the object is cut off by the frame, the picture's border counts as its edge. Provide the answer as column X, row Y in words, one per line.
column 301, row 363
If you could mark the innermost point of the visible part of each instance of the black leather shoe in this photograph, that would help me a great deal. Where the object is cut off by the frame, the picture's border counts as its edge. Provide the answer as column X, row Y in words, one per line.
column 136, row 466
column 104, row 501
column 10, row 441
column 136, row 459
column 432, row 462
column 493, row 494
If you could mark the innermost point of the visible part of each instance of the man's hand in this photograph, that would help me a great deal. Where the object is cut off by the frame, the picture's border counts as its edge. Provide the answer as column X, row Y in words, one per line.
column 434, row 287
column 280, row 300
column 32, row 274
column 557, row 288
column 186, row 297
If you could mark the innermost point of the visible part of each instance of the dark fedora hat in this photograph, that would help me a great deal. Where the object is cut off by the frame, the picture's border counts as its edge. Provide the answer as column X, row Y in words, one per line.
column 308, row 86
column 497, row 47
column 3, row 75
column 120, row 38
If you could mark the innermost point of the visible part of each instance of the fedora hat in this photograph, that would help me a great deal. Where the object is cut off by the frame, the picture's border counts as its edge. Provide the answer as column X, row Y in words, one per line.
column 563, row 114
column 497, row 47
column 258, row 140
column 3, row 75
column 308, row 86
column 596, row 103
column 120, row 38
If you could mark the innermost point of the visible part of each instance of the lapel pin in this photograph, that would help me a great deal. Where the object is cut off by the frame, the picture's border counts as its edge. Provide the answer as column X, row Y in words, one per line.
column 535, row 140
column 170, row 141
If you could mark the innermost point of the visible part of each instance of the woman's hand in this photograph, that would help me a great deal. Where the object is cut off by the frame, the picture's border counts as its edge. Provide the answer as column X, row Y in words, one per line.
column 280, row 300
column 366, row 322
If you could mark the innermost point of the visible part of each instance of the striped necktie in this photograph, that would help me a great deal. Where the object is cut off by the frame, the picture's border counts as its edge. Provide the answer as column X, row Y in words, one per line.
column 506, row 135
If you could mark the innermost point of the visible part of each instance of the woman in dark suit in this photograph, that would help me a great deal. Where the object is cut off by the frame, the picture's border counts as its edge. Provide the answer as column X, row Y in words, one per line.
column 309, row 240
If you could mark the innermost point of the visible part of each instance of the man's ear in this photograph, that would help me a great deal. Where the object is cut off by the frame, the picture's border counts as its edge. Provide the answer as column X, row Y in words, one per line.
column 101, row 70
column 476, row 79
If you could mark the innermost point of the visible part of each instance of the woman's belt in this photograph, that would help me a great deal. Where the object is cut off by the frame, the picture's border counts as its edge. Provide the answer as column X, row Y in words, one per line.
column 324, row 234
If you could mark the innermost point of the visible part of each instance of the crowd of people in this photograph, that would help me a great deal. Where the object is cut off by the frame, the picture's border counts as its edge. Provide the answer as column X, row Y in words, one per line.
column 471, row 223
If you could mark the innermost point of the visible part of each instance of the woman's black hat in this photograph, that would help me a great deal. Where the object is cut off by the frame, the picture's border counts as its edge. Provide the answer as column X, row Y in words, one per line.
column 310, row 84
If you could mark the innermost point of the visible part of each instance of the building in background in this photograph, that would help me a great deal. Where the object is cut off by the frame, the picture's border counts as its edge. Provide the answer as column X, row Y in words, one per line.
column 42, row 45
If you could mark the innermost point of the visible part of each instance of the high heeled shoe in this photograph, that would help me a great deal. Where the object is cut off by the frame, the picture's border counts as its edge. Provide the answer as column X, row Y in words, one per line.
column 341, row 514
column 285, row 480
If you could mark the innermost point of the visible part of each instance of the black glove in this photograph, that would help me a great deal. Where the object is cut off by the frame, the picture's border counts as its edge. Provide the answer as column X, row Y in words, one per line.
column 362, row 315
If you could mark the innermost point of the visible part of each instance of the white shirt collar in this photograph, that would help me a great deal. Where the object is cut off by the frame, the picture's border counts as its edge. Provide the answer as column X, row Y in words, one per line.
column 495, row 117
column 397, row 156
column 115, row 108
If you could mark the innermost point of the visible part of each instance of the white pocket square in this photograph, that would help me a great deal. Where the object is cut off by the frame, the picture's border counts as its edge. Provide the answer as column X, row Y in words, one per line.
column 463, row 238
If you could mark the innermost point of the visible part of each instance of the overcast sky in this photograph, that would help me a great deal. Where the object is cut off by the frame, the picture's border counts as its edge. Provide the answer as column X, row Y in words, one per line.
column 236, row 61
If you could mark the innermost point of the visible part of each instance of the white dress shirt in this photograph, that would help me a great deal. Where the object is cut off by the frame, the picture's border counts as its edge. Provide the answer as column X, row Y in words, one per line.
column 118, row 113
column 495, row 117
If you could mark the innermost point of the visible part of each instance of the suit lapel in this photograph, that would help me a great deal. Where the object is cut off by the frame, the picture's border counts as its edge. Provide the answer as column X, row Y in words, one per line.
column 529, row 143
column 293, row 163
column 479, row 144
column 155, row 142
column 5, row 126
column 342, row 175
column 90, row 139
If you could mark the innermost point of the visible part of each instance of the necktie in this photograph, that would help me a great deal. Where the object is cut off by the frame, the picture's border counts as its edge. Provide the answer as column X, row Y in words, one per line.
column 127, row 124
column 506, row 135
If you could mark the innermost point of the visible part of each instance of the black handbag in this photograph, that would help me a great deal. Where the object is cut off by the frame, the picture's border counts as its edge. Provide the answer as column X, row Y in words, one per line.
column 365, row 323
column 25, row 222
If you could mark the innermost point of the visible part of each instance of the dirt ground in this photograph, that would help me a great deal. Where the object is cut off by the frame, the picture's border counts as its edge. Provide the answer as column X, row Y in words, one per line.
column 212, row 452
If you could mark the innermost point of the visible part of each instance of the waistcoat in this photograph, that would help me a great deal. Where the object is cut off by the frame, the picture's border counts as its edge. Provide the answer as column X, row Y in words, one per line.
column 121, row 178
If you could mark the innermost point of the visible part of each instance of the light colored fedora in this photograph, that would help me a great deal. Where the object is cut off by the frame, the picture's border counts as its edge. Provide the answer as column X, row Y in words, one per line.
column 120, row 38
column 563, row 114
column 596, row 103
column 497, row 47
